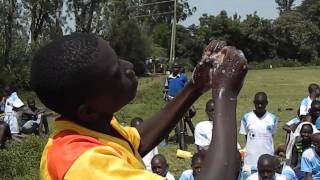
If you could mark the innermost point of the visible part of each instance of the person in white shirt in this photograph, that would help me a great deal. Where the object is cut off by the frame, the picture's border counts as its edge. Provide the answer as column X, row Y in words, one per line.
column 267, row 167
column 160, row 166
column 135, row 122
column 258, row 126
column 203, row 130
column 13, row 103
column 314, row 93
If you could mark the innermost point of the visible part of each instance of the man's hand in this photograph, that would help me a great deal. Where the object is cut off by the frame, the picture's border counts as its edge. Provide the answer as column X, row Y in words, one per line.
column 228, row 72
column 202, row 74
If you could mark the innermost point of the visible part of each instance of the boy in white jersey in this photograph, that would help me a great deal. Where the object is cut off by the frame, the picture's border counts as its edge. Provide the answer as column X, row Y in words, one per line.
column 258, row 126
column 310, row 160
column 314, row 93
column 267, row 167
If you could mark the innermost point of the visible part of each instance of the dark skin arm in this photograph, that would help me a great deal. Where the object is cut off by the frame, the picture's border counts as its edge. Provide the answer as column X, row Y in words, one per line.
column 158, row 126
column 294, row 157
column 308, row 176
column 221, row 161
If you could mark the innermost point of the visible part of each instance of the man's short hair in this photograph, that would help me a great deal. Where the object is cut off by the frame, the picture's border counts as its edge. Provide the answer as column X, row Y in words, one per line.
column 63, row 73
column 313, row 87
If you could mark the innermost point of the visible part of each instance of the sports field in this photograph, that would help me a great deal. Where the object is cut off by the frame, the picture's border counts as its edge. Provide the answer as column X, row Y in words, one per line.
column 285, row 88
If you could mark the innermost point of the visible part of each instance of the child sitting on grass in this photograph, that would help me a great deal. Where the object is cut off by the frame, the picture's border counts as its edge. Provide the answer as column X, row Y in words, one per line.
column 267, row 167
column 160, row 166
column 80, row 77
column 310, row 161
column 196, row 163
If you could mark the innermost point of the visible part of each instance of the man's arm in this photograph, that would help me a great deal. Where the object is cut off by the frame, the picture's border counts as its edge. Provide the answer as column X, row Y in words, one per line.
column 308, row 176
column 158, row 126
column 221, row 161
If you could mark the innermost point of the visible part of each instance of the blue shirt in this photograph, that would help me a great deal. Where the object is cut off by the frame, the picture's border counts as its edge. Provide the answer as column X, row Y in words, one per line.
column 310, row 162
column 318, row 123
column 187, row 175
column 175, row 84
column 289, row 173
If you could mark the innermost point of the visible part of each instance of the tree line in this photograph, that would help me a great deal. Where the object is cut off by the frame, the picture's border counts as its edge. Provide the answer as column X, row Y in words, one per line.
column 140, row 29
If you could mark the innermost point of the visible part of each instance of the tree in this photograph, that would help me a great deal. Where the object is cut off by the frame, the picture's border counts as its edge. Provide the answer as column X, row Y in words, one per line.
column 45, row 17
column 284, row 5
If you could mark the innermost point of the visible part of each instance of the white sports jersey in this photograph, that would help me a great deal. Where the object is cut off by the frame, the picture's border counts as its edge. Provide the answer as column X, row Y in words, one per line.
column 169, row 176
column 203, row 133
column 305, row 105
column 10, row 118
column 259, row 133
column 277, row 176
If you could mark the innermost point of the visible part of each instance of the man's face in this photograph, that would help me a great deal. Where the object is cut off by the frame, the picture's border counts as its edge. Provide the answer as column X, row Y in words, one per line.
column 306, row 132
column 159, row 167
column 31, row 103
column 120, row 85
column 196, row 167
column 210, row 111
column 175, row 70
column 260, row 104
column 315, row 110
column 266, row 172
column 317, row 92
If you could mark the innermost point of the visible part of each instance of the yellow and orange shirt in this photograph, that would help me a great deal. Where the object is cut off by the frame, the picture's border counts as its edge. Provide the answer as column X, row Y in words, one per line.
column 75, row 152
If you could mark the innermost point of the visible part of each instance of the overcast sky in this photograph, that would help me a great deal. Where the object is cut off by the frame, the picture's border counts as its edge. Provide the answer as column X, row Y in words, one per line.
column 264, row 8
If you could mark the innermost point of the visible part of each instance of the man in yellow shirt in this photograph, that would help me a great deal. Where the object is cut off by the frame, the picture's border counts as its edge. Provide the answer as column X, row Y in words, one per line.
column 80, row 77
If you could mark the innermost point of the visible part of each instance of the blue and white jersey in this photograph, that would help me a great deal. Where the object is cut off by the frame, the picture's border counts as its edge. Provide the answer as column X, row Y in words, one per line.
column 259, row 133
column 310, row 162
column 295, row 120
column 288, row 172
column 187, row 175
column 175, row 84
column 305, row 105
column 318, row 123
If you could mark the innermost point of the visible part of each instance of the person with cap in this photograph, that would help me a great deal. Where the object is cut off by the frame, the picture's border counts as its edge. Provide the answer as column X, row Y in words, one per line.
column 13, row 103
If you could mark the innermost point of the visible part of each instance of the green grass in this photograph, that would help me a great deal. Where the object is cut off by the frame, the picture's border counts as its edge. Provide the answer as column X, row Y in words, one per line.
column 285, row 88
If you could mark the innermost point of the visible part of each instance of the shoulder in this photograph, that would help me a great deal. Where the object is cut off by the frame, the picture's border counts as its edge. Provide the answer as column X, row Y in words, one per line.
column 169, row 176
column 272, row 116
column 246, row 116
column 280, row 177
column 308, row 154
column 304, row 101
column 203, row 124
column 253, row 176
column 187, row 173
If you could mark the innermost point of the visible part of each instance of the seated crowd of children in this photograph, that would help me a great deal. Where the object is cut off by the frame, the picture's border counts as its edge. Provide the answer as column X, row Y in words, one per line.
column 20, row 119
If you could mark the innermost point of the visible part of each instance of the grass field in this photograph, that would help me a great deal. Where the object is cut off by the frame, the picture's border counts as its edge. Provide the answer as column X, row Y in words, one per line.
column 285, row 88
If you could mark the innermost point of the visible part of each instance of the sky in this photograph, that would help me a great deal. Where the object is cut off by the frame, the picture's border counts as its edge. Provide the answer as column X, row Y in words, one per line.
column 264, row 8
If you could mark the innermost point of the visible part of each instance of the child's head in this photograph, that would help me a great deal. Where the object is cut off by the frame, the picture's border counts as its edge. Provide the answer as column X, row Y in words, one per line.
column 135, row 122
column 315, row 139
column 8, row 90
column 314, row 89
column 196, row 163
column 159, row 165
column 306, row 131
column 210, row 109
column 176, row 68
column 267, row 166
column 260, row 102
column 31, row 102
column 314, row 110
column 81, row 77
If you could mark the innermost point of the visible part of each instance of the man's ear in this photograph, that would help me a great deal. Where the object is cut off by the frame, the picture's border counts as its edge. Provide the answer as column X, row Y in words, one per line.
column 86, row 113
